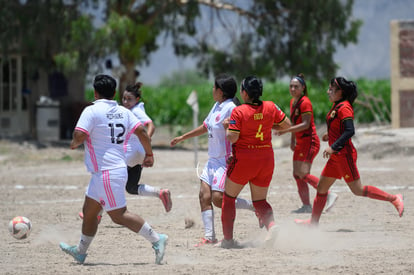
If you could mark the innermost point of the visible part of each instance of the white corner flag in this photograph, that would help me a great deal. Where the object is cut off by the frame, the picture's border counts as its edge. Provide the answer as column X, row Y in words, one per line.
column 192, row 100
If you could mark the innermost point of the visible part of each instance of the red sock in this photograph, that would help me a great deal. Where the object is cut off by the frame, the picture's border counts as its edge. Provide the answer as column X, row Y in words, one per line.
column 228, row 214
column 318, row 205
column 303, row 190
column 312, row 180
column 264, row 212
column 377, row 194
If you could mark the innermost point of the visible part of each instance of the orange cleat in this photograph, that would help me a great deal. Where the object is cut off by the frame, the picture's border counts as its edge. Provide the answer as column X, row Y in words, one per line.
column 205, row 241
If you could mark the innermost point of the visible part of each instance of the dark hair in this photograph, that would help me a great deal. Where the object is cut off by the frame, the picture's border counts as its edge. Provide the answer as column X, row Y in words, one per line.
column 227, row 84
column 301, row 78
column 254, row 88
column 135, row 89
column 105, row 86
column 349, row 88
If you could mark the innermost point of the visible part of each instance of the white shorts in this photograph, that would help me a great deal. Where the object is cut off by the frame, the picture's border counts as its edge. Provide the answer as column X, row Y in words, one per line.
column 214, row 173
column 108, row 188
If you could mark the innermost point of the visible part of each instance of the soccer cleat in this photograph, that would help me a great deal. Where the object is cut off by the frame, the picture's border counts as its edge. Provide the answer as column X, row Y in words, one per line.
column 271, row 236
column 306, row 222
column 99, row 217
column 399, row 204
column 330, row 201
column 73, row 251
column 229, row 244
column 304, row 209
column 261, row 223
column 165, row 197
column 159, row 248
column 205, row 241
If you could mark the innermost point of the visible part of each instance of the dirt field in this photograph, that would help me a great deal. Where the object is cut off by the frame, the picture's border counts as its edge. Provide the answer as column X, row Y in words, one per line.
column 359, row 236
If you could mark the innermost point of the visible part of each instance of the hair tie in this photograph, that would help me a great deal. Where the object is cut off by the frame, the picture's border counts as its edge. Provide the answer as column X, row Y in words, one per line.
column 300, row 79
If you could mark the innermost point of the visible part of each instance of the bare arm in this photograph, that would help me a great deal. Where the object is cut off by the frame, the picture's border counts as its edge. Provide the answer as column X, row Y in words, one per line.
column 78, row 138
column 193, row 133
column 232, row 136
column 150, row 128
column 305, row 124
column 285, row 124
column 145, row 140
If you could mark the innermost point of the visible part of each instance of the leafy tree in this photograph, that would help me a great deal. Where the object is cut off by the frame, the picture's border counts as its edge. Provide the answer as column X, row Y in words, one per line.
column 272, row 38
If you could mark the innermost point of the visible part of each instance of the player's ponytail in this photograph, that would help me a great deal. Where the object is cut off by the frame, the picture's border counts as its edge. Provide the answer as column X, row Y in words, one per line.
column 254, row 88
column 349, row 88
column 135, row 89
column 301, row 78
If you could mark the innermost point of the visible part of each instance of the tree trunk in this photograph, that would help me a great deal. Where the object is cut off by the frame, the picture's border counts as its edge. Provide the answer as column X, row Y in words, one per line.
column 128, row 77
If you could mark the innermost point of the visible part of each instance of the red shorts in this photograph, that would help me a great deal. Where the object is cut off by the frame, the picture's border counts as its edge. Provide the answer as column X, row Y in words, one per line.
column 255, row 166
column 306, row 150
column 342, row 165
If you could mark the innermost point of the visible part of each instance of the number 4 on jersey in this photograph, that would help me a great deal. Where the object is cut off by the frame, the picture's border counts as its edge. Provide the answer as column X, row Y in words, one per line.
column 259, row 133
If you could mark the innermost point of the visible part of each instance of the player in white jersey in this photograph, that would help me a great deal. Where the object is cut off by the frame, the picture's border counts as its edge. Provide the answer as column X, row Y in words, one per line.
column 219, row 149
column 105, row 128
column 136, row 153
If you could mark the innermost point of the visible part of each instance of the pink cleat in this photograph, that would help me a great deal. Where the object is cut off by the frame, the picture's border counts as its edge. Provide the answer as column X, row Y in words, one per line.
column 205, row 241
column 399, row 204
column 165, row 197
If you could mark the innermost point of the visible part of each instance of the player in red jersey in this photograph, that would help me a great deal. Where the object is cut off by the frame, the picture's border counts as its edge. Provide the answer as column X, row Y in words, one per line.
column 250, row 132
column 304, row 143
column 341, row 153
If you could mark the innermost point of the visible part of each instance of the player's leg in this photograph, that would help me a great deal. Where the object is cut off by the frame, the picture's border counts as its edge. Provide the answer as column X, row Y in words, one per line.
column 207, row 214
column 375, row 193
column 138, row 225
column 228, row 213
column 298, row 173
column 217, row 187
column 91, row 209
column 134, row 187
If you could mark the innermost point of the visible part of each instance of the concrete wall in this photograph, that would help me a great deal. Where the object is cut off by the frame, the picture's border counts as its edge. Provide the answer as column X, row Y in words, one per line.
column 402, row 73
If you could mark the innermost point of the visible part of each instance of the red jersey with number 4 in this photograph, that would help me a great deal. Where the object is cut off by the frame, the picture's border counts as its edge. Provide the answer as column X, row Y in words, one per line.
column 254, row 124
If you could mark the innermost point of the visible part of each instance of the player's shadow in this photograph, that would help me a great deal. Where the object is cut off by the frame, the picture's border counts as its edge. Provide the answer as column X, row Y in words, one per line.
column 111, row 264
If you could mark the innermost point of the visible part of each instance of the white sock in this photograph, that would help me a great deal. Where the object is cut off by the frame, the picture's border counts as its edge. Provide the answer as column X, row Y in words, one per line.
column 84, row 243
column 208, row 221
column 148, row 190
column 244, row 204
column 148, row 233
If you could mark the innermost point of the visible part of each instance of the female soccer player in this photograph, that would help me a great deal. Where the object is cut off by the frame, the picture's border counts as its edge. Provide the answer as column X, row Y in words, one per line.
column 219, row 149
column 304, row 143
column 103, row 128
column 341, row 153
column 250, row 131
column 136, row 153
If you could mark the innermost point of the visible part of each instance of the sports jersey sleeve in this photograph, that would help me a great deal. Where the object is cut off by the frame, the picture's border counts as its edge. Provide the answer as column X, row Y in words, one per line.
column 280, row 116
column 141, row 115
column 235, row 120
column 306, row 106
column 85, row 122
column 346, row 117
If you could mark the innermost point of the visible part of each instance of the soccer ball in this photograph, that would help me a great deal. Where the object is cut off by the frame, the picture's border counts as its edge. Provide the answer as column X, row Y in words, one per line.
column 20, row 227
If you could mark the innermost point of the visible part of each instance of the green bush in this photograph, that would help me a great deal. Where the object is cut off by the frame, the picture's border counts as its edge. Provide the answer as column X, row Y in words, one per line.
column 166, row 103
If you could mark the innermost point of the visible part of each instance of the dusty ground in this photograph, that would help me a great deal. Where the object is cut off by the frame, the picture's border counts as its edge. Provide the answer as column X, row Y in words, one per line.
column 359, row 236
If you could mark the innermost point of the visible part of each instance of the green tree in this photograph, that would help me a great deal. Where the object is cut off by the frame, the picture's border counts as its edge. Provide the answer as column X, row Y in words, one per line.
column 272, row 38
